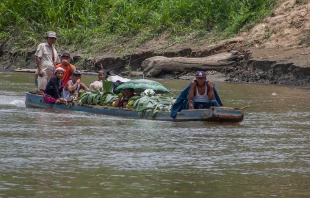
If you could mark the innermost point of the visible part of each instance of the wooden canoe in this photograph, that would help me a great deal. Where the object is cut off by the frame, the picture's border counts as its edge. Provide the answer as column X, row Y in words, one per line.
column 214, row 114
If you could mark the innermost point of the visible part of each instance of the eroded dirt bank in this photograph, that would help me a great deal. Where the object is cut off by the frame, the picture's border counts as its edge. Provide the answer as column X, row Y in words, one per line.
column 276, row 51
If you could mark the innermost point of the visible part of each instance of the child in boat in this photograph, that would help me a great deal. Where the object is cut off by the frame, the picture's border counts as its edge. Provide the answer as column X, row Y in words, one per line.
column 97, row 85
column 123, row 101
column 101, row 75
column 199, row 94
column 73, row 86
column 53, row 89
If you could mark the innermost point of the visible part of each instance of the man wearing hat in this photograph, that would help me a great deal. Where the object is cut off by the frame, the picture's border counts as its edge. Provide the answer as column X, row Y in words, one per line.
column 69, row 68
column 46, row 59
column 199, row 94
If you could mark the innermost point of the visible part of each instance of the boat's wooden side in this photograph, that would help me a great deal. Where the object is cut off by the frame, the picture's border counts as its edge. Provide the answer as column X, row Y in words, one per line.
column 216, row 114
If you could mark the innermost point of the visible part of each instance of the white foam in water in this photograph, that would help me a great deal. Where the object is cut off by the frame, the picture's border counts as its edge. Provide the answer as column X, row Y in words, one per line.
column 18, row 101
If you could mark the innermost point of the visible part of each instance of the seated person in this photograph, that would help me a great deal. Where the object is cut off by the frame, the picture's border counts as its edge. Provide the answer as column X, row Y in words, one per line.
column 101, row 75
column 73, row 86
column 97, row 85
column 199, row 94
column 69, row 68
column 123, row 101
column 53, row 89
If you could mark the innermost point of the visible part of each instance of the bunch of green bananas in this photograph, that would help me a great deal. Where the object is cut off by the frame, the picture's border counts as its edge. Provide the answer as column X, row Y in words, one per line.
column 131, row 102
column 90, row 98
column 108, row 99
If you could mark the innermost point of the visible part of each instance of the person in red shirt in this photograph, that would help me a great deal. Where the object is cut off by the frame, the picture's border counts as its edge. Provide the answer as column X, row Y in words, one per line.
column 65, row 64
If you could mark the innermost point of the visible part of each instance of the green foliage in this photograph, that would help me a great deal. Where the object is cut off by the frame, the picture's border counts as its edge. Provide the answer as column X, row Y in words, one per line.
column 149, row 106
column 107, row 86
column 146, row 106
column 83, row 22
column 90, row 98
column 132, row 101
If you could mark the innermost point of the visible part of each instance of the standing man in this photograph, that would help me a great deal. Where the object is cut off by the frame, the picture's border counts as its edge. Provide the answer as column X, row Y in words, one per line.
column 46, row 59
column 69, row 68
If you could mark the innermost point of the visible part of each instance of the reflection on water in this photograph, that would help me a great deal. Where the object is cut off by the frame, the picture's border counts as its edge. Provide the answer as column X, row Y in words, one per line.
column 48, row 153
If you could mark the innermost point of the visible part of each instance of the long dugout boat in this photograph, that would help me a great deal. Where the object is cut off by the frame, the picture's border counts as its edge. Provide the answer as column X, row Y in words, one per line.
column 214, row 114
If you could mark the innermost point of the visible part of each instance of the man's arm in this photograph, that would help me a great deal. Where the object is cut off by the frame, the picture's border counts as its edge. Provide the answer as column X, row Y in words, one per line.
column 72, row 68
column 191, row 94
column 38, row 55
column 56, row 57
column 38, row 61
column 210, row 90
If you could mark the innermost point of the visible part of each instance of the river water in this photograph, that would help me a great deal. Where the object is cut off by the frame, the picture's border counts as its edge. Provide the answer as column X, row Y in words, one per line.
column 48, row 153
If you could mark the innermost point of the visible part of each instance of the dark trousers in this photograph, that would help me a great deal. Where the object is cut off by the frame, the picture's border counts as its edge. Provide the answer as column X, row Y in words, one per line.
column 204, row 105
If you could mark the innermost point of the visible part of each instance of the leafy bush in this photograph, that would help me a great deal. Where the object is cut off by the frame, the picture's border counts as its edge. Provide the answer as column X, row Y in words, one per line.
column 80, row 21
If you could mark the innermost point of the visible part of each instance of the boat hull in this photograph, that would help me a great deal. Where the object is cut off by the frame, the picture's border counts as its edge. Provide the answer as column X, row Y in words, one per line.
column 214, row 114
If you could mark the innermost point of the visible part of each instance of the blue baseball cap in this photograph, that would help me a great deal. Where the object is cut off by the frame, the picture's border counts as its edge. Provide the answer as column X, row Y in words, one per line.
column 77, row 72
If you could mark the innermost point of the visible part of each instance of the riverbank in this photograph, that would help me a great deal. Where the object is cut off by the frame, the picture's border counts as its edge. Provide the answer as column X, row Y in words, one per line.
column 276, row 51
column 288, row 66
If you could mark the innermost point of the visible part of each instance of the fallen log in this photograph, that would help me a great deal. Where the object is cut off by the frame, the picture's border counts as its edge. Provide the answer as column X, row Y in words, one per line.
column 132, row 73
column 25, row 70
column 154, row 66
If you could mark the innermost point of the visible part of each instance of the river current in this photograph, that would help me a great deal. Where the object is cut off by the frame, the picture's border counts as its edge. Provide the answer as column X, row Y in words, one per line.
column 48, row 153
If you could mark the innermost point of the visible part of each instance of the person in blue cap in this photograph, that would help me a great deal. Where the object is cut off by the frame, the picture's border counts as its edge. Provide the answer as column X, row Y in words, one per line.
column 73, row 86
column 199, row 94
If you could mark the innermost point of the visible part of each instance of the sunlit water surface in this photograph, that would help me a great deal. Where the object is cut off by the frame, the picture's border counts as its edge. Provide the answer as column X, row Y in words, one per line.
column 48, row 153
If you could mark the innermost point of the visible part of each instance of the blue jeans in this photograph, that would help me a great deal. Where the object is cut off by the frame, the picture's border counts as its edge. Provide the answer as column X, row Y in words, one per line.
column 204, row 105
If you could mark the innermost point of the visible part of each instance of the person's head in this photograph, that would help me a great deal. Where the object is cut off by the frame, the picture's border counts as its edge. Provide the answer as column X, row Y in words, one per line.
column 201, row 77
column 65, row 59
column 59, row 73
column 100, row 75
column 128, row 93
column 76, row 75
column 51, row 37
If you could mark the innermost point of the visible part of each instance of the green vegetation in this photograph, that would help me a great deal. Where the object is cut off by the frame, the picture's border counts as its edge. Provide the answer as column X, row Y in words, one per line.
column 94, row 25
column 145, row 105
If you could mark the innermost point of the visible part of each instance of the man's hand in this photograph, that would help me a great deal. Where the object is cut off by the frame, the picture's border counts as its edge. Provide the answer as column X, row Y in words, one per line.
column 78, row 81
column 40, row 73
column 191, row 94
column 193, row 84
column 190, row 105
column 210, row 85
column 65, row 62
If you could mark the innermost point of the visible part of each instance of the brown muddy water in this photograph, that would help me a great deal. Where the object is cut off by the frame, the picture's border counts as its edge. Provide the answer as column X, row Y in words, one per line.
column 47, row 153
